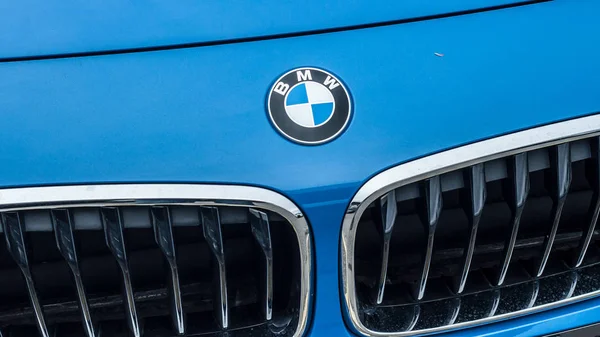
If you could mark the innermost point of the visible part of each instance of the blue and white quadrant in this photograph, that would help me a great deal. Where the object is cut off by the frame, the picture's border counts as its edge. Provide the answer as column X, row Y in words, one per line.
column 309, row 104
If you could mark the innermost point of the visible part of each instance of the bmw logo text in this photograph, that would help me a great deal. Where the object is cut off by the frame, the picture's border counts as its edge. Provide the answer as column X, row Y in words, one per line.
column 309, row 106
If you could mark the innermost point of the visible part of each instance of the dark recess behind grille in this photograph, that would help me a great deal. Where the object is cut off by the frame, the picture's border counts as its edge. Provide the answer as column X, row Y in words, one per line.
column 563, row 185
column 197, row 269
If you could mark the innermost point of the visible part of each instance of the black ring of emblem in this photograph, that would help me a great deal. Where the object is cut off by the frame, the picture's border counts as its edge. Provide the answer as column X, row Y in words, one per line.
column 326, row 132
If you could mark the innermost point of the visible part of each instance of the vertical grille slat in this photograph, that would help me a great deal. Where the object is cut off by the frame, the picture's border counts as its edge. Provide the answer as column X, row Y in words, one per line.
column 65, row 241
column 593, row 176
column 259, row 222
column 415, row 318
column 15, row 243
column 560, row 158
column 388, row 209
column 495, row 303
column 573, row 286
column 455, row 310
column 432, row 191
column 161, row 222
column 534, row 294
column 211, row 222
column 115, row 240
column 517, row 190
column 475, row 200
column 517, row 234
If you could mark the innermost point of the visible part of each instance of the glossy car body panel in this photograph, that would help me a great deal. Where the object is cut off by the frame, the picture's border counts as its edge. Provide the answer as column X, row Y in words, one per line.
column 33, row 28
column 198, row 115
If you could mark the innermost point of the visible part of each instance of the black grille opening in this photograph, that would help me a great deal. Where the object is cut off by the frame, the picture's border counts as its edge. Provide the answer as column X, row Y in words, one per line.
column 495, row 238
column 177, row 286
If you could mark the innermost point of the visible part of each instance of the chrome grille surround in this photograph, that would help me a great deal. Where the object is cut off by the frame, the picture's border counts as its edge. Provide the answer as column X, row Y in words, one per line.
column 435, row 165
column 56, row 198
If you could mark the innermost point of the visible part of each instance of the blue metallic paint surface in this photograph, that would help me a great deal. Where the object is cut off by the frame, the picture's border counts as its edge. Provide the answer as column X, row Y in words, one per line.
column 197, row 115
column 31, row 27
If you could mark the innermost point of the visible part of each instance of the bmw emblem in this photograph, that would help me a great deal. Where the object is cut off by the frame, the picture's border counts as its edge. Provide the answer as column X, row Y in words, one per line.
column 309, row 106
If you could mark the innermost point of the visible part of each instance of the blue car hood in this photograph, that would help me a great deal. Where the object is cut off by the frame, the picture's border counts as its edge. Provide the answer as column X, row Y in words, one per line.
column 37, row 28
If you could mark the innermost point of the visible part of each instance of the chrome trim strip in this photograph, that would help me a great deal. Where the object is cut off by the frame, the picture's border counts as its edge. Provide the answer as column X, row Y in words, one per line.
column 437, row 164
column 177, row 194
column 63, row 231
